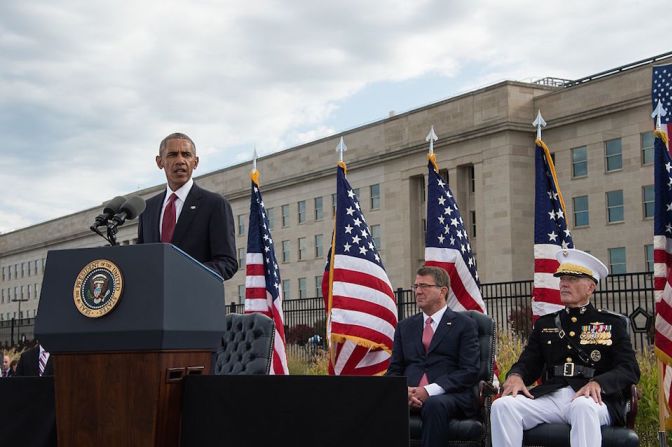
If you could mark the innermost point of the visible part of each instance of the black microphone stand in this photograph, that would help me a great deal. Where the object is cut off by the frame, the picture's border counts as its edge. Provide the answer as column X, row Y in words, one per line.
column 99, row 233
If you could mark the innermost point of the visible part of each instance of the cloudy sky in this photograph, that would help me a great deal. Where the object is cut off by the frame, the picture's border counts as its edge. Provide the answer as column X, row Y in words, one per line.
column 88, row 88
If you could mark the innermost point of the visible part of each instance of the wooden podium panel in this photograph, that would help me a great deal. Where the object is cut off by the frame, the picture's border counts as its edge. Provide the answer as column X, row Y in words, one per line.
column 123, row 399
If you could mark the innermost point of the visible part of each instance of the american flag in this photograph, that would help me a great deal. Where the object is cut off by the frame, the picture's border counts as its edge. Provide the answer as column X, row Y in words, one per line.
column 550, row 233
column 661, row 90
column 447, row 244
column 263, row 292
column 360, row 303
column 662, row 256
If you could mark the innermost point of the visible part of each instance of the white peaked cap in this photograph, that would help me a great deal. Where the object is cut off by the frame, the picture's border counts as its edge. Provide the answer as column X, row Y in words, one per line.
column 579, row 263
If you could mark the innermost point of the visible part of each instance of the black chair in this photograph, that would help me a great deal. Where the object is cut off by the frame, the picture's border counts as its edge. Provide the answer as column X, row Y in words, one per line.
column 247, row 345
column 471, row 432
column 557, row 435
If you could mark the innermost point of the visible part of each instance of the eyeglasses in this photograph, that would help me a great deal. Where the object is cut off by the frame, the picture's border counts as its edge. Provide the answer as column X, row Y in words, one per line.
column 415, row 287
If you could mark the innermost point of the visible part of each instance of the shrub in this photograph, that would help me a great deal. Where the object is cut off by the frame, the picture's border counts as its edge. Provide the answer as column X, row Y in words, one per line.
column 520, row 320
column 300, row 334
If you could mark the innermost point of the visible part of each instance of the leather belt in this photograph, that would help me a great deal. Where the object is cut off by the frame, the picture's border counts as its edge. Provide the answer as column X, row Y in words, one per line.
column 573, row 370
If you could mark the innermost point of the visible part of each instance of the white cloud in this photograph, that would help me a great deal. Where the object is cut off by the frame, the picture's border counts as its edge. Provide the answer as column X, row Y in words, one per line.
column 89, row 89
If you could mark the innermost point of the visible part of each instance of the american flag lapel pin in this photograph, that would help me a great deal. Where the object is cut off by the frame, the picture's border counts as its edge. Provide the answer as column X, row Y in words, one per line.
column 193, row 207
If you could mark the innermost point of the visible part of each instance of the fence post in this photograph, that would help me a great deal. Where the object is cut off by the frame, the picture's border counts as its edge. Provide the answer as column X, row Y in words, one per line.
column 11, row 338
column 400, row 304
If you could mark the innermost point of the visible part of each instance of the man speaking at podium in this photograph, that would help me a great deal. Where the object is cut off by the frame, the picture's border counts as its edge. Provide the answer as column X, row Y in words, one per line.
column 198, row 221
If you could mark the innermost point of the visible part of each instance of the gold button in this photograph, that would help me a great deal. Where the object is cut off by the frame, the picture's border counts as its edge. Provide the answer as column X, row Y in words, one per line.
column 572, row 333
column 568, row 360
column 574, row 320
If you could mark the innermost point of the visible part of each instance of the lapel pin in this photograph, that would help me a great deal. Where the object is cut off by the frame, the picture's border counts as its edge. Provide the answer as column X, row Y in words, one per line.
column 449, row 323
column 193, row 207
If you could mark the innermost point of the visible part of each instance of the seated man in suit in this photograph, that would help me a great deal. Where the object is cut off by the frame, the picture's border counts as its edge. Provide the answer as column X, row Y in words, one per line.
column 584, row 358
column 437, row 350
column 198, row 221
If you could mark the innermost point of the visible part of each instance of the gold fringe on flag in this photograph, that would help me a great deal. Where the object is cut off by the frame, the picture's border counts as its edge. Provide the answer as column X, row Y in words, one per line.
column 254, row 176
column 549, row 160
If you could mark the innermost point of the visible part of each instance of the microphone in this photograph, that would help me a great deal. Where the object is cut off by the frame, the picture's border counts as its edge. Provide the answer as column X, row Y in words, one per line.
column 111, row 208
column 130, row 209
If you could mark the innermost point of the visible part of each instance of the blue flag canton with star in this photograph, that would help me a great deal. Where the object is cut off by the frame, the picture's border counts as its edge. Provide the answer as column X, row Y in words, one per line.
column 353, row 237
column 661, row 90
column 445, row 227
column 550, row 222
column 662, row 172
column 259, row 241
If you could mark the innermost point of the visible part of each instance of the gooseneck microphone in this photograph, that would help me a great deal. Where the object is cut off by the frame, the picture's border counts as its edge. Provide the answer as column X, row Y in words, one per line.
column 130, row 209
column 115, row 213
column 111, row 208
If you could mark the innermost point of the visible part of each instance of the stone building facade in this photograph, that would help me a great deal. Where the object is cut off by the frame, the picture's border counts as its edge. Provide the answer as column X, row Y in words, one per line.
column 599, row 132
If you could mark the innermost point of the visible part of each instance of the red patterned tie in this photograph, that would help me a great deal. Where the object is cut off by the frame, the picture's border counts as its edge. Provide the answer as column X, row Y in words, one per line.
column 168, row 224
column 427, row 334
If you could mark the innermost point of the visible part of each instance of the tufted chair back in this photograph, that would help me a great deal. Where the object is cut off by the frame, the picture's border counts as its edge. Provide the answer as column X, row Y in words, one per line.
column 247, row 345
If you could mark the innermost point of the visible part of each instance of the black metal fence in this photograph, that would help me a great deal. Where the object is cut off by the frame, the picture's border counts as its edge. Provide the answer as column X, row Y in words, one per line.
column 509, row 303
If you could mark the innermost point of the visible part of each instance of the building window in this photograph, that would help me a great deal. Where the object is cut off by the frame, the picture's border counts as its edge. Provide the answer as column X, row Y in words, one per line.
column 318, row 286
column 35, row 294
column 472, row 215
column 647, row 147
column 647, row 201
column 423, row 194
column 648, row 257
column 375, row 236
column 615, row 206
column 3, row 274
column 241, row 257
column 375, row 196
column 285, row 216
column 617, row 260
column 285, row 251
column 241, row 224
column 472, row 178
column 36, row 265
column 241, row 293
column 356, row 191
column 285, row 288
column 269, row 216
column 301, row 208
column 579, row 162
column 302, row 248
column 22, row 269
column 319, row 251
column 303, row 293
column 613, row 155
column 581, row 214
column 319, row 208
column 333, row 203
column 3, row 296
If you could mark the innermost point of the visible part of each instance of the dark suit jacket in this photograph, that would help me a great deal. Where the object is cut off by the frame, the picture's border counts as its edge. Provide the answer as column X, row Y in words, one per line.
column 205, row 229
column 29, row 364
column 453, row 358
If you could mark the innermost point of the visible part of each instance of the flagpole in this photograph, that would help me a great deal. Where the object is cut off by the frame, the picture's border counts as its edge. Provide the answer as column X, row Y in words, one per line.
column 659, row 112
column 662, row 434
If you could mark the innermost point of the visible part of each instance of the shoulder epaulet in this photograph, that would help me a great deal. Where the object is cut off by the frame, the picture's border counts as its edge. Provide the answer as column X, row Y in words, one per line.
column 613, row 314
column 550, row 315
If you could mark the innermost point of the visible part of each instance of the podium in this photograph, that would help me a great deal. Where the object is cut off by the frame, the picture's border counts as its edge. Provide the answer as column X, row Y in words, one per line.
column 125, row 324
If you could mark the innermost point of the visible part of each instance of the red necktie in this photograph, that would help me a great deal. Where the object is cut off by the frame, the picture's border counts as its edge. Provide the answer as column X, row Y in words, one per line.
column 168, row 224
column 427, row 334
